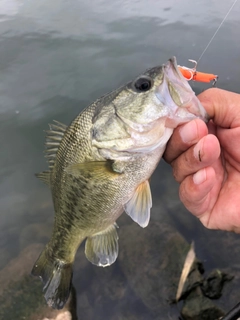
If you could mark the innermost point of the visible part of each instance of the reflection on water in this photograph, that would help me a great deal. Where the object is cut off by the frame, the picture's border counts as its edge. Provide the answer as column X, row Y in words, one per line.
column 55, row 58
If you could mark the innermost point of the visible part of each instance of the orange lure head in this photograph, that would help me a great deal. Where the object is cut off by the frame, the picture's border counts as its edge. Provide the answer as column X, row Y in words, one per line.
column 193, row 74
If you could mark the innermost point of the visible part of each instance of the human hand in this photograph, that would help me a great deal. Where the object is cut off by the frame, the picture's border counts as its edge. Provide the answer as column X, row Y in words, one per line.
column 206, row 161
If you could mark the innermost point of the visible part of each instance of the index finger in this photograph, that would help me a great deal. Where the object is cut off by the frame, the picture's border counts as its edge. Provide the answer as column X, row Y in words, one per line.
column 184, row 137
column 222, row 106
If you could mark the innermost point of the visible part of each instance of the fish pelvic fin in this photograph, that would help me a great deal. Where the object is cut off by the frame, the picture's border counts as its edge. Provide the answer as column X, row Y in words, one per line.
column 139, row 206
column 53, row 139
column 56, row 276
column 44, row 177
column 102, row 248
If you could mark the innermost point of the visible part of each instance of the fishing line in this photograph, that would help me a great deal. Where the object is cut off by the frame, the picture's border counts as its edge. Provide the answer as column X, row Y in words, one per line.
column 217, row 30
column 233, row 314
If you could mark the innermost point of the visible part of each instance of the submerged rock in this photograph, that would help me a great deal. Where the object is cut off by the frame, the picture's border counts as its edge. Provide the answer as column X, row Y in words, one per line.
column 19, row 267
column 104, row 293
column 21, row 294
column 213, row 284
column 230, row 291
column 140, row 285
column 152, row 261
column 199, row 307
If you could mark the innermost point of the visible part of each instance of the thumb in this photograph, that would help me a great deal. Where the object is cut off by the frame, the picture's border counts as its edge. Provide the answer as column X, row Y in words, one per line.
column 222, row 106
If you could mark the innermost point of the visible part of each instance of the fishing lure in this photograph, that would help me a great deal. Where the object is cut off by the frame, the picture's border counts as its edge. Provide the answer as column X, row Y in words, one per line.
column 193, row 74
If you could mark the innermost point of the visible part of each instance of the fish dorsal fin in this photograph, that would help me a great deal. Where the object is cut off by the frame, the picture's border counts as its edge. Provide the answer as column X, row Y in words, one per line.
column 138, row 207
column 44, row 177
column 102, row 248
column 99, row 169
column 53, row 139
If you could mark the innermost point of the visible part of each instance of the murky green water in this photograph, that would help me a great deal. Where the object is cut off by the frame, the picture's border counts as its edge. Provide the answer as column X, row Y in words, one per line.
column 58, row 56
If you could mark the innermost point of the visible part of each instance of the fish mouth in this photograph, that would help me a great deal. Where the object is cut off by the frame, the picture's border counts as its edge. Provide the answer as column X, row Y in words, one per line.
column 171, row 70
column 176, row 93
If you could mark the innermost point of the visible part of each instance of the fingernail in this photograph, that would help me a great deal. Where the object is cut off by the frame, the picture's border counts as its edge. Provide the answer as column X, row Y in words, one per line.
column 200, row 176
column 188, row 132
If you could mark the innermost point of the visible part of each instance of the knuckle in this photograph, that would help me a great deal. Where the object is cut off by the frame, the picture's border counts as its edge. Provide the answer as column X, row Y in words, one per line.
column 176, row 171
column 182, row 194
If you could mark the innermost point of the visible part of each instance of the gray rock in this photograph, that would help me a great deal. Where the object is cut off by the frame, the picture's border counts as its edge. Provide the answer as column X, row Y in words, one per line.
column 152, row 261
column 21, row 294
column 230, row 291
column 19, row 267
column 199, row 307
column 213, row 284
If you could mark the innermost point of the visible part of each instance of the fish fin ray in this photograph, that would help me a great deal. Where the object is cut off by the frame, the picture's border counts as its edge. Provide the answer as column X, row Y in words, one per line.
column 56, row 277
column 53, row 139
column 100, row 169
column 101, row 249
column 58, row 126
column 138, row 207
column 44, row 177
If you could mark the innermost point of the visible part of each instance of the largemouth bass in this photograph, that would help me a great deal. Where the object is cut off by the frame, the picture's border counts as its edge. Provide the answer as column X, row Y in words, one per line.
column 100, row 167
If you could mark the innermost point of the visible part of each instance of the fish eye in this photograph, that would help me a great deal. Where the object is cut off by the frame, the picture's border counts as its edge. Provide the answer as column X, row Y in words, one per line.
column 142, row 84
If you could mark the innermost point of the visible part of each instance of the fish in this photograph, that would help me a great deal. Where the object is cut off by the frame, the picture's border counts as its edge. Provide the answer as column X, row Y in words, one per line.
column 100, row 166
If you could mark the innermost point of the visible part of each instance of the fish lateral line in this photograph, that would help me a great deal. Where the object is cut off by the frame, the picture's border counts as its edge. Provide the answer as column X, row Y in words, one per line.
column 193, row 74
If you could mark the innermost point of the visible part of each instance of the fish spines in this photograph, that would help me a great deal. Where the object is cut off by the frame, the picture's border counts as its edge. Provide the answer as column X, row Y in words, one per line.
column 53, row 139
column 56, row 276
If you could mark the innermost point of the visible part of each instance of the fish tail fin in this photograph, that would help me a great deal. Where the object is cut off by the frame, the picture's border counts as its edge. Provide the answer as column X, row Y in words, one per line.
column 56, row 277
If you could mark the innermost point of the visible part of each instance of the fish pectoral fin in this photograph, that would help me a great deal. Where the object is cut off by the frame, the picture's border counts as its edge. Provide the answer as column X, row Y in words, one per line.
column 99, row 169
column 102, row 248
column 44, row 177
column 138, row 207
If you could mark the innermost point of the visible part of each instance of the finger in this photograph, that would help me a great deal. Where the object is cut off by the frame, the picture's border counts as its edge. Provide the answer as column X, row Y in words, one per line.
column 194, row 192
column 230, row 142
column 183, row 137
column 223, row 106
column 201, row 155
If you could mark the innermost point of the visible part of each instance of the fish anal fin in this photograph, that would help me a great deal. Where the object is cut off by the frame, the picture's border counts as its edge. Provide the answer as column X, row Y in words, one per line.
column 44, row 177
column 138, row 207
column 100, row 170
column 53, row 139
column 101, row 249
column 56, row 277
